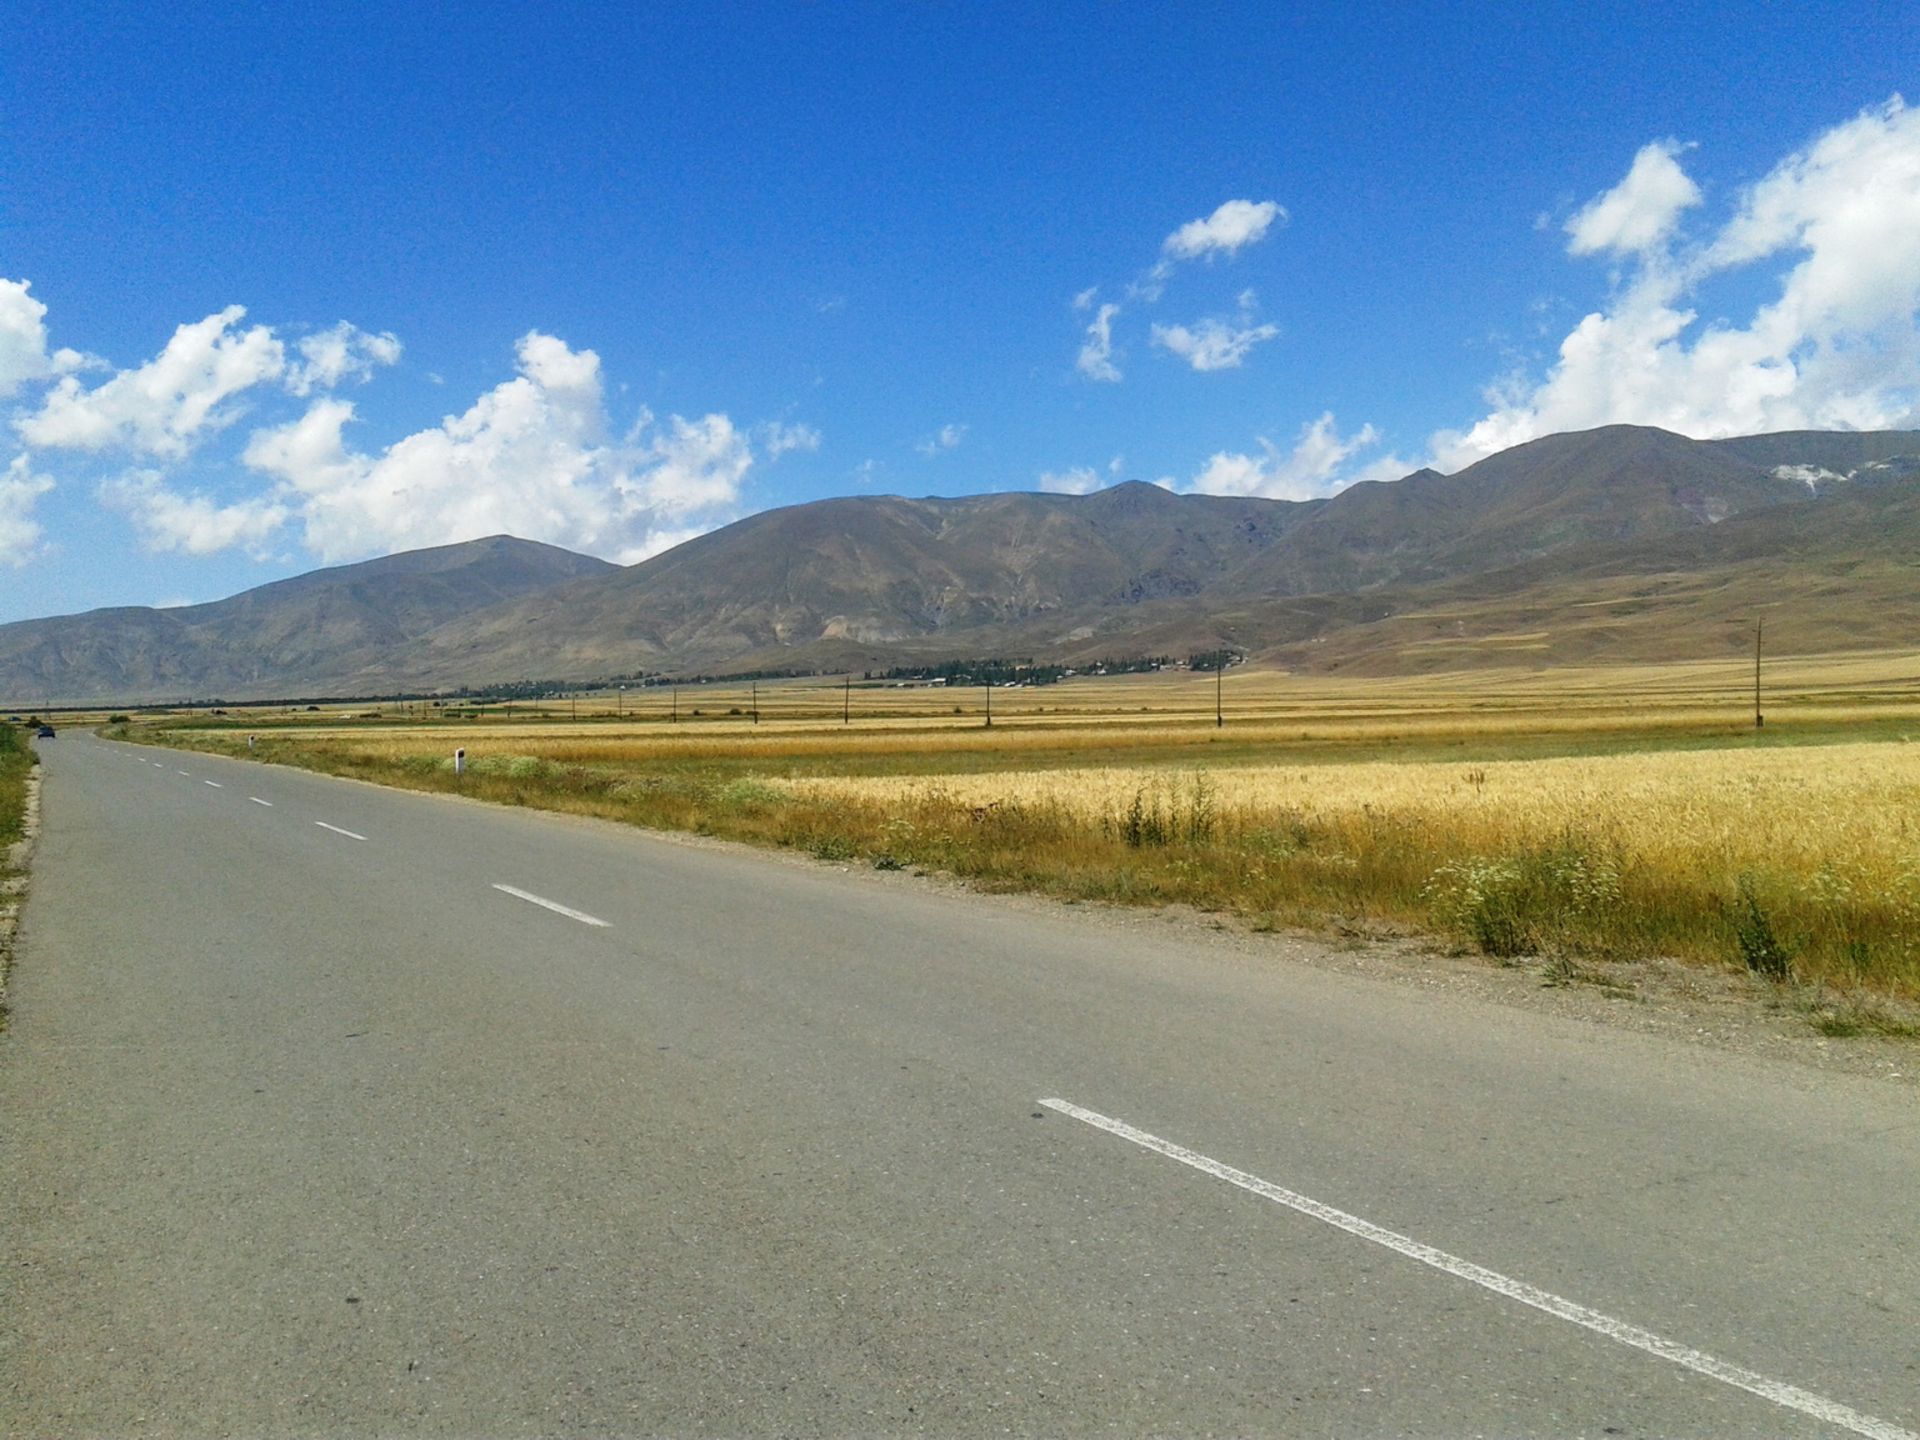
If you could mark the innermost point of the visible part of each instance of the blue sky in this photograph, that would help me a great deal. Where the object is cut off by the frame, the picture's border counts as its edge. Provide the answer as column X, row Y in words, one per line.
column 299, row 285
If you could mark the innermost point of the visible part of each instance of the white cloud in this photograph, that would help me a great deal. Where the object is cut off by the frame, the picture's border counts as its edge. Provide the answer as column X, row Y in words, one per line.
column 1096, row 354
column 532, row 457
column 1836, row 348
column 780, row 439
column 23, row 338
column 696, row 466
column 1079, row 480
column 20, row 533
column 1212, row 344
column 187, row 392
column 346, row 352
column 1233, row 226
column 947, row 437
column 163, row 407
column 1312, row 468
column 192, row 524
column 1639, row 214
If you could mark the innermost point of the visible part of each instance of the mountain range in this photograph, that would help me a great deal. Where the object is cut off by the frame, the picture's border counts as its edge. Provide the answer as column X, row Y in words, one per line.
column 1620, row 543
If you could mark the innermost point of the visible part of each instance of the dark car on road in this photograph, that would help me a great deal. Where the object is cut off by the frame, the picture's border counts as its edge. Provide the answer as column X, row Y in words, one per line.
column 45, row 732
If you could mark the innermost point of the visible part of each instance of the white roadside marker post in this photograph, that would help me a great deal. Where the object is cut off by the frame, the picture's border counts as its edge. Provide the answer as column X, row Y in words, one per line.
column 460, row 761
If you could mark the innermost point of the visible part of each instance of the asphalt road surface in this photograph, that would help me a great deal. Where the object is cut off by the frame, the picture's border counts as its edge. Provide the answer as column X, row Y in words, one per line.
column 334, row 1110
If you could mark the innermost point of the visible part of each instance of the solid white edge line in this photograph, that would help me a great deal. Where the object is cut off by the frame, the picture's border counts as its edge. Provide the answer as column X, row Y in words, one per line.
column 553, row 905
column 258, row 801
column 1791, row 1397
column 338, row 831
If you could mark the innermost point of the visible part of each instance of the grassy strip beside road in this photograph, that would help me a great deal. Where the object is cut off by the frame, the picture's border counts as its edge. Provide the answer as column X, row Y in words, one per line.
column 16, row 765
column 1794, row 861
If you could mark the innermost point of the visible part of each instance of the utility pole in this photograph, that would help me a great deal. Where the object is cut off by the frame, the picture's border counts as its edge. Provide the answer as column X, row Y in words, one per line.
column 676, row 704
column 846, row 703
column 756, row 702
column 989, row 702
column 1759, row 629
column 1219, row 683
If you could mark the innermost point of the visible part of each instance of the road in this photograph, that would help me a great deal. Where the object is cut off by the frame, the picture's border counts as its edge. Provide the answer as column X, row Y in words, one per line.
column 335, row 1110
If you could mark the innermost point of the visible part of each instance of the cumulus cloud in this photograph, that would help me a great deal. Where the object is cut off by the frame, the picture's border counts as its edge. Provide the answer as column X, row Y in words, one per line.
column 947, row 437
column 192, row 524
column 346, row 352
column 164, row 406
column 1835, row 348
column 191, row 390
column 23, row 338
column 1079, row 480
column 532, row 457
column 20, row 533
column 535, row 456
column 1640, row 213
column 1212, row 344
column 1096, row 353
column 693, row 466
column 1229, row 229
column 24, row 357
column 1313, row 467
column 780, row 439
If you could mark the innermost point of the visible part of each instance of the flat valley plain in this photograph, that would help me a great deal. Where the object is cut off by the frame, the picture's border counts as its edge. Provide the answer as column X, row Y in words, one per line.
column 1567, row 818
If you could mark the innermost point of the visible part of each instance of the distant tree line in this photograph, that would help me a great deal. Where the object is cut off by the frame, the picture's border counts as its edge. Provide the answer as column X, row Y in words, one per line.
column 1213, row 659
column 1023, row 670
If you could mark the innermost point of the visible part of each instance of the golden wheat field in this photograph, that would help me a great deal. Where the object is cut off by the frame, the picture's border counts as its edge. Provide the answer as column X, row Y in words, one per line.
column 1845, row 812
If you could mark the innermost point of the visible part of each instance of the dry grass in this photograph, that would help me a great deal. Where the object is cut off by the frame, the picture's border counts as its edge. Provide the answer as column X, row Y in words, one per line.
column 1646, row 817
column 1799, row 810
column 1607, row 853
column 16, row 763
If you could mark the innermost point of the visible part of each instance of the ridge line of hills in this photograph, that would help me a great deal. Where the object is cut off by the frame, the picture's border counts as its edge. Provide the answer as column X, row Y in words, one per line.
column 1623, row 543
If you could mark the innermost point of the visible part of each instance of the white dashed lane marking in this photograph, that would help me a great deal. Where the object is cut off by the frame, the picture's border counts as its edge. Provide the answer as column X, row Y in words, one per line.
column 553, row 905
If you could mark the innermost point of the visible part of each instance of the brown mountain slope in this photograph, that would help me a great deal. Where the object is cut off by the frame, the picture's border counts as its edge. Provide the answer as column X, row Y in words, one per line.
column 1842, row 572
column 1620, row 484
column 863, row 582
column 875, row 577
column 296, row 636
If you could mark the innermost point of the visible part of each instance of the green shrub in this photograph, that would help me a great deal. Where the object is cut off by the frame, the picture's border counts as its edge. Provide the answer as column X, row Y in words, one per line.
column 1761, row 951
column 1515, row 905
column 748, row 794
